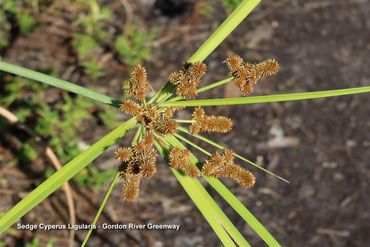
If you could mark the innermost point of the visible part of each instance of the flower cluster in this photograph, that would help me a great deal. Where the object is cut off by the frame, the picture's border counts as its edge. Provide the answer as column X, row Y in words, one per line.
column 139, row 85
column 150, row 116
column 247, row 74
column 188, row 79
column 222, row 165
column 139, row 161
column 204, row 123
column 180, row 159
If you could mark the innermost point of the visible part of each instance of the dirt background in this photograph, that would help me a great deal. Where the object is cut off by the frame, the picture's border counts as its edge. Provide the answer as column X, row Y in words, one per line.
column 321, row 146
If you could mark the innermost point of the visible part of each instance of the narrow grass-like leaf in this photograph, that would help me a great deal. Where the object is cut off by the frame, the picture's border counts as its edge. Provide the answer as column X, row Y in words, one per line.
column 234, row 202
column 107, row 195
column 215, row 144
column 63, row 175
column 224, row 30
column 203, row 201
column 252, row 221
column 62, row 84
column 269, row 98
column 101, row 207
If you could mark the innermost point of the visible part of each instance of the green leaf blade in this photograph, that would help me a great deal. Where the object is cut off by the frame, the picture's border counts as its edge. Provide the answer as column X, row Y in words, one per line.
column 269, row 98
column 63, row 175
column 62, row 84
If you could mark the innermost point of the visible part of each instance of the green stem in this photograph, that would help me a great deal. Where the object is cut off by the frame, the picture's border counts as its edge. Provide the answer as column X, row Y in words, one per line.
column 102, row 205
column 62, row 84
column 205, row 88
column 215, row 144
column 107, row 195
column 63, row 175
column 184, row 121
column 269, row 98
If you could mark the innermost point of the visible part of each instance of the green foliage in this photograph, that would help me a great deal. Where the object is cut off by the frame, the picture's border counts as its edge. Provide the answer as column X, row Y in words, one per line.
column 48, row 121
column 86, row 48
column 230, row 5
column 29, row 151
column 206, row 9
column 132, row 45
column 109, row 117
column 36, row 243
column 93, row 19
column 4, row 29
column 93, row 177
column 90, row 36
column 19, row 10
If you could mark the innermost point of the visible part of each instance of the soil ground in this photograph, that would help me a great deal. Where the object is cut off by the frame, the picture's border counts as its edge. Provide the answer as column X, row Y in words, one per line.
column 321, row 146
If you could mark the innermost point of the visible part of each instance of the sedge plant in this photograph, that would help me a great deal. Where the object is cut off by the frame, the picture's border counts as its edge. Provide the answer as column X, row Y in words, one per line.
column 160, row 132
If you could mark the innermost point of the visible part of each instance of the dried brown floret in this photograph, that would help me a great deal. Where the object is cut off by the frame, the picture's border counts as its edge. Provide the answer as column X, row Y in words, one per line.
column 138, row 86
column 198, row 69
column 234, row 62
column 131, row 187
column 188, row 79
column 123, row 154
column 165, row 125
column 177, row 78
column 148, row 169
column 268, row 67
column 170, row 111
column 132, row 108
column 222, row 165
column 180, row 159
column 204, row 123
column 247, row 74
column 241, row 176
column 217, row 124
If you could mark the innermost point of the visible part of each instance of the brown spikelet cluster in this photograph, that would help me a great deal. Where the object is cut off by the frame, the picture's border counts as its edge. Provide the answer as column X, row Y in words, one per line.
column 188, row 79
column 180, row 159
column 131, row 108
column 131, row 187
column 222, row 165
column 204, row 123
column 247, row 74
column 139, row 161
column 138, row 85
column 123, row 154
column 151, row 117
column 165, row 125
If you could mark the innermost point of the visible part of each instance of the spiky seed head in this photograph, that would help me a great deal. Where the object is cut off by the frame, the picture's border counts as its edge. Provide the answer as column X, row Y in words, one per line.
column 217, row 124
column 180, row 159
column 138, row 86
column 241, row 176
column 198, row 113
column 195, row 128
column 198, row 70
column 131, row 187
column 123, row 154
column 139, row 73
column 177, row 78
column 229, row 156
column 165, row 125
column 268, row 67
column 246, row 89
column 148, row 169
column 234, row 62
column 132, row 108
